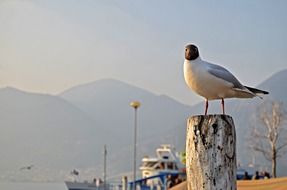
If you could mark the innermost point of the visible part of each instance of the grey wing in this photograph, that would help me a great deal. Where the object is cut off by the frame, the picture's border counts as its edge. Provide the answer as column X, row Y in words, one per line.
column 224, row 74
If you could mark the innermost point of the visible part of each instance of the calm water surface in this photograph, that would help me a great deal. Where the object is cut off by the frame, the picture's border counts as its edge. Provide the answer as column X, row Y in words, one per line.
column 32, row 186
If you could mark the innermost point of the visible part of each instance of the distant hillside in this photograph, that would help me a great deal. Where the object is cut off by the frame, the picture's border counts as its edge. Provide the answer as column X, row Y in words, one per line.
column 277, row 86
column 45, row 131
column 107, row 101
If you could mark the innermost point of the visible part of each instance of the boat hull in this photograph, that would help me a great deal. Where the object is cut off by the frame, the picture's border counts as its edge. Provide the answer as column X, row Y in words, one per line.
column 82, row 186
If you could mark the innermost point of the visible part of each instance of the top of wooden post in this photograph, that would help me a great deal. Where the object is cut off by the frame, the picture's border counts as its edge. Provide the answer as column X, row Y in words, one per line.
column 212, row 115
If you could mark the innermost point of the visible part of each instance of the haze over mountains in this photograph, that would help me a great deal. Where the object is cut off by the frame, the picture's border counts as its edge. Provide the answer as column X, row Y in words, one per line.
column 60, row 133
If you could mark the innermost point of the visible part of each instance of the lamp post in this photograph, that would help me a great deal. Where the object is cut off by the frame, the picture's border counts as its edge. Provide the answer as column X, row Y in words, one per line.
column 135, row 105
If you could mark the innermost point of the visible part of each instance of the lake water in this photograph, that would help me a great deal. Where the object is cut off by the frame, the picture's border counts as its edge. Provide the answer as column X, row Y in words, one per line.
column 32, row 186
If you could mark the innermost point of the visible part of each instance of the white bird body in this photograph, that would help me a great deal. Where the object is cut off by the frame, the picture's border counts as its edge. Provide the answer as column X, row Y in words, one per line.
column 213, row 81
column 200, row 80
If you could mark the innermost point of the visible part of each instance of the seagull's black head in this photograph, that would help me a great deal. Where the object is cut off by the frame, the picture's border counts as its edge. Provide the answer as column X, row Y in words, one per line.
column 191, row 52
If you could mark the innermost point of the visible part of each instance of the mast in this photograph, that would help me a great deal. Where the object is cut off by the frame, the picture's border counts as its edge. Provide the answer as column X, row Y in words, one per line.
column 105, row 167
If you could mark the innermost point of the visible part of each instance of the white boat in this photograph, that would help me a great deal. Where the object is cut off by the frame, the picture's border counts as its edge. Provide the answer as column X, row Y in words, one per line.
column 166, row 161
column 162, row 171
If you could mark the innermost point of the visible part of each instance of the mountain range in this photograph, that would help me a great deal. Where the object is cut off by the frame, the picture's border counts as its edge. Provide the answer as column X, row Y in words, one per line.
column 58, row 133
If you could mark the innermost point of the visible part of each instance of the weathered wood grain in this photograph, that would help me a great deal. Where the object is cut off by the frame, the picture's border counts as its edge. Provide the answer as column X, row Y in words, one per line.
column 211, row 153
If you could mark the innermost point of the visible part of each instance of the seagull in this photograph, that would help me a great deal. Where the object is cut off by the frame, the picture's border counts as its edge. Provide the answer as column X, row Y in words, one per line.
column 27, row 167
column 213, row 81
column 75, row 172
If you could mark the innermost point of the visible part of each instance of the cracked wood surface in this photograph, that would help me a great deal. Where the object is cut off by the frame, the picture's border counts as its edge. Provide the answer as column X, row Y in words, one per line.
column 211, row 153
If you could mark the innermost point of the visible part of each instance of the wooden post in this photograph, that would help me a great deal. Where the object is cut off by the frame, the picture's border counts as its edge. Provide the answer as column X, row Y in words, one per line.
column 211, row 153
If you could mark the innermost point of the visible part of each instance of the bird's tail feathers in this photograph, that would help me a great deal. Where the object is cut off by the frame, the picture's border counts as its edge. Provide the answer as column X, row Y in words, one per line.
column 256, row 91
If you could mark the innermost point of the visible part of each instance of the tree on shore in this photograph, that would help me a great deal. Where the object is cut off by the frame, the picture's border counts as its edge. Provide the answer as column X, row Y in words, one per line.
column 269, row 136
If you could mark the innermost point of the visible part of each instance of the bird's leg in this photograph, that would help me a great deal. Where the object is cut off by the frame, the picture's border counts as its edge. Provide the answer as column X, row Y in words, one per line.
column 206, row 106
column 222, row 104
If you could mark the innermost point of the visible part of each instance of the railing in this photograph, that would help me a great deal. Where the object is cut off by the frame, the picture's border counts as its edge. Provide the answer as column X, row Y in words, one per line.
column 156, row 182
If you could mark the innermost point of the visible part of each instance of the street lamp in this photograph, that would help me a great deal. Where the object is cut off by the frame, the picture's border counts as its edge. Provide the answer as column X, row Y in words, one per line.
column 135, row 105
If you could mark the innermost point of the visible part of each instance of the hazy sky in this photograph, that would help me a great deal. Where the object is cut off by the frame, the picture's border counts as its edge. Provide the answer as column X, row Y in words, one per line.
column 48, row 46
